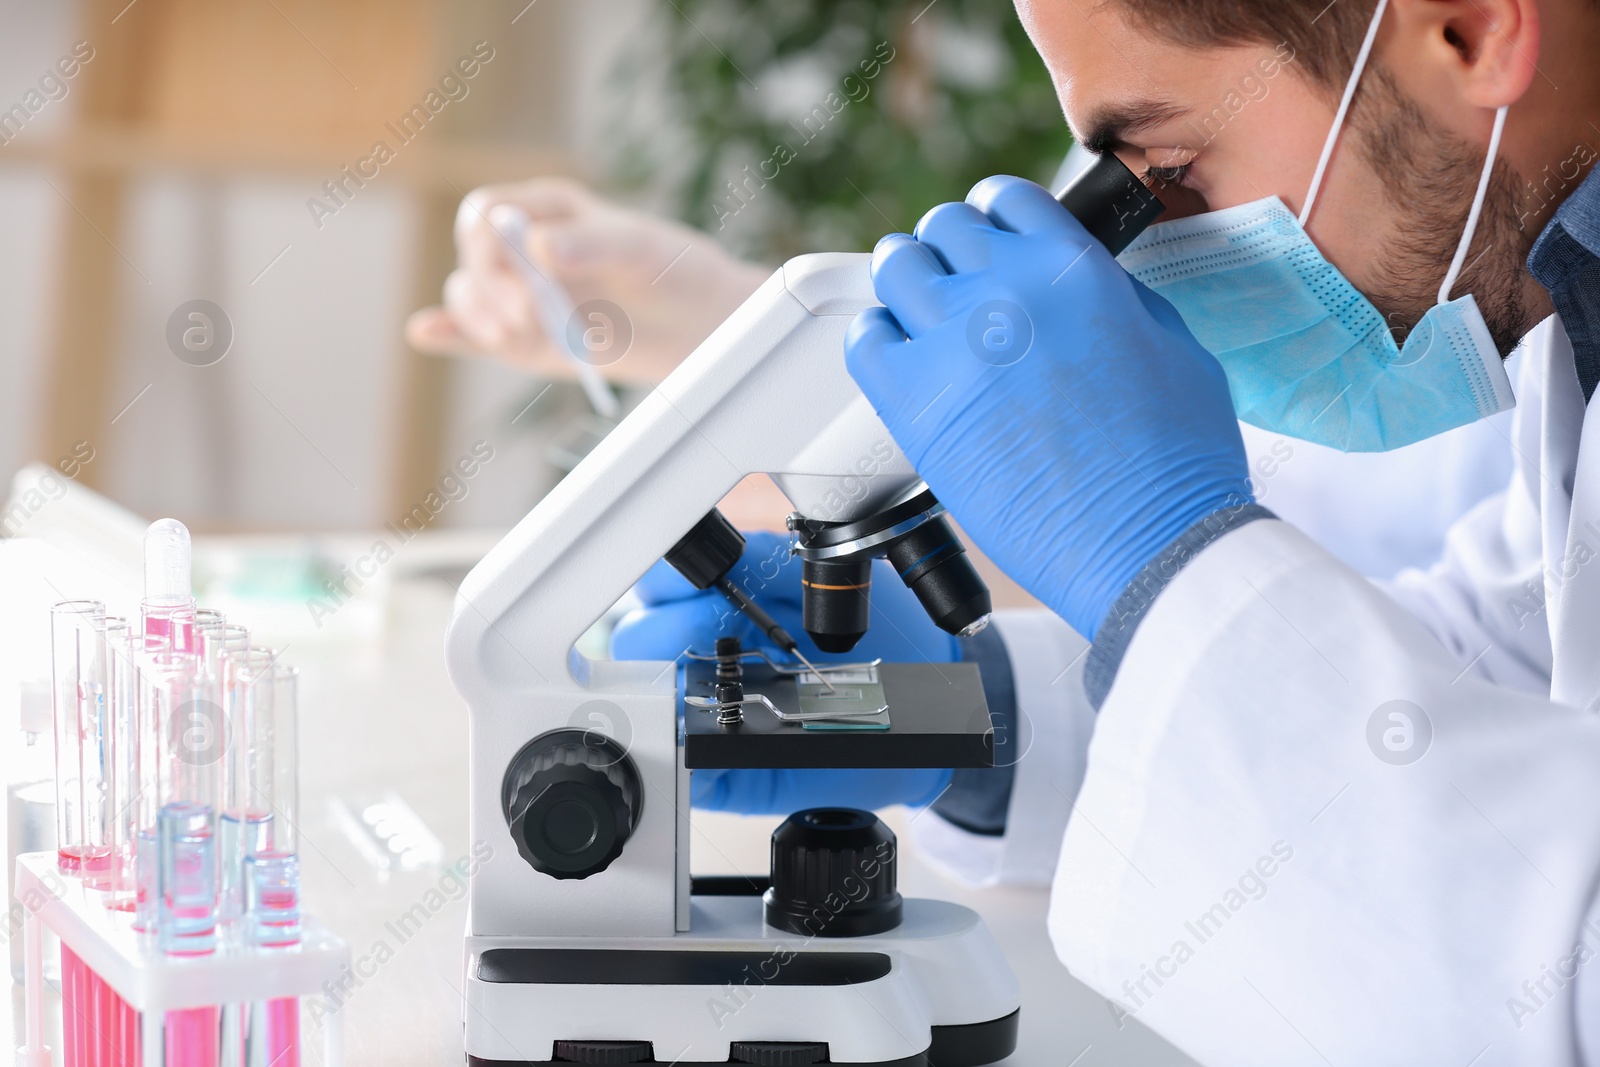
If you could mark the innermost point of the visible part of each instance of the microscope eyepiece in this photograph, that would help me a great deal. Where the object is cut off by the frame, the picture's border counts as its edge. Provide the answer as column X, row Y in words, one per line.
column 1111, row 202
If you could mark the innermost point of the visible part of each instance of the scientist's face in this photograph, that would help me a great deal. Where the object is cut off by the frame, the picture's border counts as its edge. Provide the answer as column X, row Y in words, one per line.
column 1213, row 127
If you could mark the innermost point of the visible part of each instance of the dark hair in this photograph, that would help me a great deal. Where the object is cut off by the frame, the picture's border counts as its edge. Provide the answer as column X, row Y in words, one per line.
column 1325, row 36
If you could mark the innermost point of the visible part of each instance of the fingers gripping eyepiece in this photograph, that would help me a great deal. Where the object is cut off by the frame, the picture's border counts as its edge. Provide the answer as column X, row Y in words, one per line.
column 908, row 278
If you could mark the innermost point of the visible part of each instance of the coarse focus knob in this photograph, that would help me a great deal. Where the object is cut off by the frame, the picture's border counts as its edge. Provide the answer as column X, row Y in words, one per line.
column 571, row 799
column 605, row 1052
column 779, row 1053
column 833, row 874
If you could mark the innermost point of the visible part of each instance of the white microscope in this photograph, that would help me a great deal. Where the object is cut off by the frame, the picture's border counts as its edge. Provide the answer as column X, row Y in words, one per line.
column 587, row 940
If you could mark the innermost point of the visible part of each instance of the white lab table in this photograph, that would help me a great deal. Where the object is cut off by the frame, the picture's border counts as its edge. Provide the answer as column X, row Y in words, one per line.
column 380, row 713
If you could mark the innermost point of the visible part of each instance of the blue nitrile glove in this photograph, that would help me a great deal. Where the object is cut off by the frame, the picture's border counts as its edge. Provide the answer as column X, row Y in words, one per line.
column 677, row 617
column 1059, row 409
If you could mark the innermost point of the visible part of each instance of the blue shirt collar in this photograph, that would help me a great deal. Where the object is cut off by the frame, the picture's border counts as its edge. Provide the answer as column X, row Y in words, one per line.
column 1578, row 219
column 1566, row 261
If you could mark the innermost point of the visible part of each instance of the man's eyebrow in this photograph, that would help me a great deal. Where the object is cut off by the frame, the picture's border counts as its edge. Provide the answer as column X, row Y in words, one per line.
column 1109, row 127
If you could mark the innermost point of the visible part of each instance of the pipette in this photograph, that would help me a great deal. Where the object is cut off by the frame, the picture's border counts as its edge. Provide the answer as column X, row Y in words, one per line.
column 554, row 306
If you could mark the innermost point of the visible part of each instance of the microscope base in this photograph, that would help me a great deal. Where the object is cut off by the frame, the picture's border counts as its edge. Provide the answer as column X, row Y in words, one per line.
column 933, row 992
column 972, row 1045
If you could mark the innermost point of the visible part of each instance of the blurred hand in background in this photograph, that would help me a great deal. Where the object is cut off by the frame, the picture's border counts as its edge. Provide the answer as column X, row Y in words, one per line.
column 674, row 283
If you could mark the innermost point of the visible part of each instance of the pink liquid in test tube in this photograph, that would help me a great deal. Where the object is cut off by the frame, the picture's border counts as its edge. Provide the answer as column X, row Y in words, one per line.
column 283, row 1032
column 69, row 1007
column 135, row 1031
column 193, row 1037
column 102, row 1018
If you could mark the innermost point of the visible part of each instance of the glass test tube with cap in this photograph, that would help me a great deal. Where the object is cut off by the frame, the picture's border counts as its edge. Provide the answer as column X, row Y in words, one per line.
column 70, row 633
column 167, row 590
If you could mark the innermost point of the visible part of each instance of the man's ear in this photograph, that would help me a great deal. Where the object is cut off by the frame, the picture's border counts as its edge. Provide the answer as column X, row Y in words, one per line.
column 1483, row 53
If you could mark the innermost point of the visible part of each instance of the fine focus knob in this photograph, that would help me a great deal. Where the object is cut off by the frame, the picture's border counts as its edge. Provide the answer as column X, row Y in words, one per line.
column 833, row 874
column 571, row 799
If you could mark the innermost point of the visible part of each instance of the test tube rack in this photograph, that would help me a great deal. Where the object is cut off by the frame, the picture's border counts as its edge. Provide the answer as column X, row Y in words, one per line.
column 151, row 982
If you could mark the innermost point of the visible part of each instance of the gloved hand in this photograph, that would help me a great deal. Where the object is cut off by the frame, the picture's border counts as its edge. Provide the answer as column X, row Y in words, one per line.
column 1059, row 409
column 674, row 284
column 677, row 617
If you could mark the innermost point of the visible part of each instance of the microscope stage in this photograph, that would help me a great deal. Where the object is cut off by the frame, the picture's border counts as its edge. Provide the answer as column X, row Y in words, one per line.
column 937, row 718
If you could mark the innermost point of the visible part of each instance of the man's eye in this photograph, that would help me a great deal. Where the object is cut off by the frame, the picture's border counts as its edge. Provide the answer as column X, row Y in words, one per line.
column 1161, row 177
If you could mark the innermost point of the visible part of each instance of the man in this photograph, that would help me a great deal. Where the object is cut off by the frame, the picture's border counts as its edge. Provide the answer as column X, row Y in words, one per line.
column 1319, row 823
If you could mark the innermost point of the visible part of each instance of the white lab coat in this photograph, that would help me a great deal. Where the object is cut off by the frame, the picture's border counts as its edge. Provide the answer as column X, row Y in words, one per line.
column 1378, row 512
column 1250, row 867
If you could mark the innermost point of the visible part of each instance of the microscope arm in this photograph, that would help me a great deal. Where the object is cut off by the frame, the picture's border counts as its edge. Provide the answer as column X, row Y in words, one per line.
column 767, row 392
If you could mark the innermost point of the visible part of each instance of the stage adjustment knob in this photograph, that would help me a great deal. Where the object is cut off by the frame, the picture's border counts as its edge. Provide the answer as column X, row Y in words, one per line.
column 833, row 874
column 571, row 798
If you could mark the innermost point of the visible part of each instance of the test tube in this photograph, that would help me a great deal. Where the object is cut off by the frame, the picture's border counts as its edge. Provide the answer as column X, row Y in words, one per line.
column 68, row 621
column 218, row 640
column 192, row 740
column 188, row 922
column 218, row 644
column 272, row 899
column 201, row 620
column 128, row 779
column 82, row 648
column 167, row 592
column 187, row 704
column 99, row 752
column 262, row 785
column 271, row 751
column 183, row 727
column 272, row 922
column 144, row 648
column 73, row 1008
column 269, row 763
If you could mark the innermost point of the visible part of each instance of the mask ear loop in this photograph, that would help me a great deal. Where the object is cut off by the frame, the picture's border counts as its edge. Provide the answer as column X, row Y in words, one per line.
column 1477, row 208
column 1344, row 109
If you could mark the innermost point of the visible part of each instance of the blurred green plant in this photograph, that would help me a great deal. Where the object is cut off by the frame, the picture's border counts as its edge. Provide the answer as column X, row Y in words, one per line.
column 790, row 126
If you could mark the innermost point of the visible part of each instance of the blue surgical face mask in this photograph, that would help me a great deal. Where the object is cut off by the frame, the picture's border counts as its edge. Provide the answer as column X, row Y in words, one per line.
column 1306, row 354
